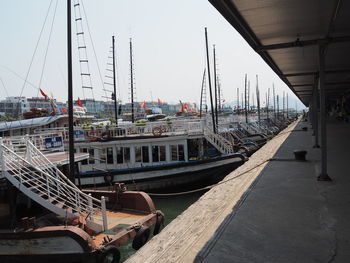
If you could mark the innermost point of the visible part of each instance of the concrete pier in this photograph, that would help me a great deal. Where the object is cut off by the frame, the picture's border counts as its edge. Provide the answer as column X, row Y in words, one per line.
column 277, row 212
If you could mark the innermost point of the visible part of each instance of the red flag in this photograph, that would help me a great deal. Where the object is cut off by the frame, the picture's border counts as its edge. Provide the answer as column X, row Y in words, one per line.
column 143, row 105
column 43, row 93
column 160, row 102
column 79, row 102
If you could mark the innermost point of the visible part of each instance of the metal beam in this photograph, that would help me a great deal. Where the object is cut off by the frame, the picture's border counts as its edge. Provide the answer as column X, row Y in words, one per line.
column 229, row 11
column 310, row 73
column 302, row 43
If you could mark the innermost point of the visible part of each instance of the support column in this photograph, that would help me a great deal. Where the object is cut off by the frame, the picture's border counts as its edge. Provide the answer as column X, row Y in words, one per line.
column 323, row 176
column 315, row 113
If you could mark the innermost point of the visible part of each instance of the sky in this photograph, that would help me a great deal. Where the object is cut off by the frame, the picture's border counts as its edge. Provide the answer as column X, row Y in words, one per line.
column 168, row 50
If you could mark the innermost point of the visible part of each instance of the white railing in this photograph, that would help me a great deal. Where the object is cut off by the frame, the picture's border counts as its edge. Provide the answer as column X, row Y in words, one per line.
column 219, row 142
column 43, row 182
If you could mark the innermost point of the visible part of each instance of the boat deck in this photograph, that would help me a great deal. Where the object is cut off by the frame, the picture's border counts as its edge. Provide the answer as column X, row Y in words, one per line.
column 118, row 221
column 61, row 158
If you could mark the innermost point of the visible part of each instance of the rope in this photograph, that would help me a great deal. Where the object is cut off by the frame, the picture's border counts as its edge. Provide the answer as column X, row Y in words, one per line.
column 210, row 186
column 221, row 182
column 32, row 59
column 46, row 51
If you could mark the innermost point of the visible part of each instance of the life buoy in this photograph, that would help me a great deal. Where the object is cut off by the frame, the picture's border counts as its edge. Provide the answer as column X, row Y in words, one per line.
column 157, row 131
column 141, row 237
column 108, row 177
column 110, row 254
column 159, row 223
column 92, row 135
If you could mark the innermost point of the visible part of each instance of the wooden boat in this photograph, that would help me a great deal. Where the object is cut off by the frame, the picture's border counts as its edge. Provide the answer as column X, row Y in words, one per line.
column 64, row 224
column 50, row 238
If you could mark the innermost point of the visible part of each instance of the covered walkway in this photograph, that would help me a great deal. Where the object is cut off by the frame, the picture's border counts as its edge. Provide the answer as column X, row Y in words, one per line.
column 286, row 215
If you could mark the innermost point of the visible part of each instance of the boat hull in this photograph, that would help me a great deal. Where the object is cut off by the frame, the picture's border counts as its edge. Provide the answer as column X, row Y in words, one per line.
column 49, row 244
column 182, row 175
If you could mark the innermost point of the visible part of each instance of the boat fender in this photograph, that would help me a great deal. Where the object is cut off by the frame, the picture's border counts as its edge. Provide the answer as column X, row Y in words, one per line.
column 157, row 131
column 159, row 223
column 141, row 237
column 108, row 177
column 110, row 254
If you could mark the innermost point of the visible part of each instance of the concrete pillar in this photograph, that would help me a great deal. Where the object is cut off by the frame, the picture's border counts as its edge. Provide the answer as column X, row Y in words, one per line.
column 322, row 83
column 315, row 113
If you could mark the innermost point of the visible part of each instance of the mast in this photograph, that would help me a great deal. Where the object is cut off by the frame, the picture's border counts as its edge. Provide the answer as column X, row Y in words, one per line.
column 216, row 87
column 278, row 105
column 283, row 109
column 70, row 94
column 237, row 111
column 132, row 84
column 287, row 105
column 268, row 102
column 210, row 91
column 114, row 83
column 258, row 99
column 274, row 101
column 245, row 99
column 201, row 101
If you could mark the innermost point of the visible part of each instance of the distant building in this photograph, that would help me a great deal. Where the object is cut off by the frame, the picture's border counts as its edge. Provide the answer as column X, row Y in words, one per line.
column 14, row 106
column 37, row 102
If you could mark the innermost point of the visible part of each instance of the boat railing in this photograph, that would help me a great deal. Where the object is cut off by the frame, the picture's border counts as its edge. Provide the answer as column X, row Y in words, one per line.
column 42, row 181
column 176, row 127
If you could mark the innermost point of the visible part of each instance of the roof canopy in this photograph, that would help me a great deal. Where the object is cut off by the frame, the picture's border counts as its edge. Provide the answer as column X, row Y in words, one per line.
column 287, row 35
column 10, row 125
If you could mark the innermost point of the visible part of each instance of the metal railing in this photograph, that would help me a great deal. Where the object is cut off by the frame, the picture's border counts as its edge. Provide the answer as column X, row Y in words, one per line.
column 42, row 181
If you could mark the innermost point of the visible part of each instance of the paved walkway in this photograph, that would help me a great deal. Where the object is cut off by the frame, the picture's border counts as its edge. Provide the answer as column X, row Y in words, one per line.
column 288, row 216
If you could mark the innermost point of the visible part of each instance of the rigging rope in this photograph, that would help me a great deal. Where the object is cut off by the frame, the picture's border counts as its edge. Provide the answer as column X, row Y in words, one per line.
column 45, row 56
column 32, row 59
column 210, row 186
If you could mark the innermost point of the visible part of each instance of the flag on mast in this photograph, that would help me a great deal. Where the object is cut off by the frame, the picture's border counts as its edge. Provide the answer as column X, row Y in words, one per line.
column 79, row 103
column 43, row 94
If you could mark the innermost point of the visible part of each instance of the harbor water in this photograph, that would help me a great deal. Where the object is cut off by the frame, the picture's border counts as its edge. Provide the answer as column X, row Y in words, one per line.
column 171, row 206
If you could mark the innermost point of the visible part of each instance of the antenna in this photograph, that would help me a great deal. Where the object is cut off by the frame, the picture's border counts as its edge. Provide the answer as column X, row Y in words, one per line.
column 132, row 84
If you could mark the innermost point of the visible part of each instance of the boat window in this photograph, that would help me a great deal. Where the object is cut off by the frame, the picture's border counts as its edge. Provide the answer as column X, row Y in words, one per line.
column 155, row 154
column 145, row 156
column 173, row 152
column 137, row 154
column 126, row 154
column 103, row 155
column 181, row 152
column 84, row 150
column 162, row 155
column 110, row 155
column 119, row 154
column 91, row 156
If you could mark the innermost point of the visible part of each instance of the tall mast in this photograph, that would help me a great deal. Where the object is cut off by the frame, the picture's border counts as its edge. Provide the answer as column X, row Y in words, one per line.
column 258, row 98
column 70, row 93
column 278, row 105
column 202, row 91
column 132, row 85
column 274, row 102
column 219, row 94
column 268, row 102
column 237, row 101
column 216, row 87
column 287, row 105
column 114, row 82
column 245, row 99
column 210, row 91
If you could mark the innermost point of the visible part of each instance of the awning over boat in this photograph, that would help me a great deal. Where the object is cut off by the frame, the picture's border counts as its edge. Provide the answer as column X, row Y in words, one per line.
column 35, row 122
column 287, row 35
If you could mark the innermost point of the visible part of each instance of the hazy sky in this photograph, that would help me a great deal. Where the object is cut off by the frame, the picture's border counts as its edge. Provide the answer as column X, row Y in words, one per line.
column 168, row 45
